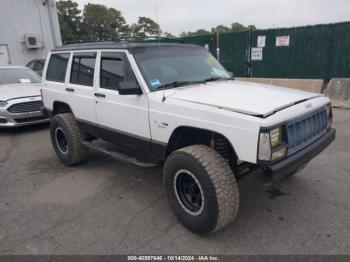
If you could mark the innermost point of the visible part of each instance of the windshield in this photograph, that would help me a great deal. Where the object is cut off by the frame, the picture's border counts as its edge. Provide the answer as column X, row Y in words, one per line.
column 172, row 66
column 18, row 75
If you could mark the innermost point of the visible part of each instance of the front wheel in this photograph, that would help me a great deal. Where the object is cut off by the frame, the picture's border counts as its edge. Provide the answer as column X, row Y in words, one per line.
column 66, row 138
column 201, row 188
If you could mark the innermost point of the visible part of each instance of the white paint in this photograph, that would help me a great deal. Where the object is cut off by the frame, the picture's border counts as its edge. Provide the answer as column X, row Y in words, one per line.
column 225, row 107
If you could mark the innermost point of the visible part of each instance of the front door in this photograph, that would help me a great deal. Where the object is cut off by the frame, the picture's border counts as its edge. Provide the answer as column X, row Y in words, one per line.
column 121, row 118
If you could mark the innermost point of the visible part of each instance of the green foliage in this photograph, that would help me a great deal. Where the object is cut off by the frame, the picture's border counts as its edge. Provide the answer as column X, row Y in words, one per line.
column 69, row 19
column 145, row 27
column 235, row 27
column 199, row 32
column 99, row 23
column 220, row 29
column 168, row 35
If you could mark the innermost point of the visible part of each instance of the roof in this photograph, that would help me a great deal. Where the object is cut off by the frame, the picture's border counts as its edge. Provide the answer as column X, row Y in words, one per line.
column 115, row 45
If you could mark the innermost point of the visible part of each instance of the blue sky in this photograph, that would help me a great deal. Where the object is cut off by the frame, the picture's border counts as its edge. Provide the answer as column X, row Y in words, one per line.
column 176, row 16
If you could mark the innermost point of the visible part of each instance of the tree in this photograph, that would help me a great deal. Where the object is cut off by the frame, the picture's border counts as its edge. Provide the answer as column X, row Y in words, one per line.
column 237, row 27
column 97, row 23
column 183, row 34
column 168, row 35
column 101, row 23
column 198, row 32
column 117, row 23
column 220, row 29
column 69, row 19
column 145, row 27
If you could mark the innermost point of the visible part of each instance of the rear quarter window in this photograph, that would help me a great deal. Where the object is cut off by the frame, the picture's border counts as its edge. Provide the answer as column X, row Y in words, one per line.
column 57, row 68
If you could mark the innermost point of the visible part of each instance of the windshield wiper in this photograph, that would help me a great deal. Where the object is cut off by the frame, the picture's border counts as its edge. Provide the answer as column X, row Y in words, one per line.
column 179, row 83
column 213, row 79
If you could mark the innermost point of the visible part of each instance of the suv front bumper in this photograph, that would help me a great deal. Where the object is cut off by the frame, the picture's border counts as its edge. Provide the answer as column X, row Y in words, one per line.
column 298, row 160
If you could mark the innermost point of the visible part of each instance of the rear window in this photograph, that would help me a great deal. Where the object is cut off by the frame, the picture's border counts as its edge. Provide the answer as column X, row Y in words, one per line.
column 57, row 68
column 83, row 68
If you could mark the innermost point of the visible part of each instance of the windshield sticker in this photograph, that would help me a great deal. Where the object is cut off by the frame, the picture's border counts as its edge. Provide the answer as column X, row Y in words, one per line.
column 155, row 83
column 24, row 80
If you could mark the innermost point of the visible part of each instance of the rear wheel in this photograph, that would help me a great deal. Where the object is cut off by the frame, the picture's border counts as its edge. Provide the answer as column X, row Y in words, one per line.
column 201, row 188
column 66, row 138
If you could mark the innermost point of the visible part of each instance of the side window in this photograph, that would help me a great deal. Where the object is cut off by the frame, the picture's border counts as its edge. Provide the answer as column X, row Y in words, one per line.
column 115, row 68
column 31, row 64
column 39, row 66
column 112, row 70
column 83, row 67
column 56, row 70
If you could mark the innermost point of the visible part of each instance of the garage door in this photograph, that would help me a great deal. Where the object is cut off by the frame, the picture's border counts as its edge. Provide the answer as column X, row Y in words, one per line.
column 4, row 56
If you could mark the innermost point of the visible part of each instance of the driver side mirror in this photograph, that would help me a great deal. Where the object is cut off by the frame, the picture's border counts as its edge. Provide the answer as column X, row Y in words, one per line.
column 129, row 88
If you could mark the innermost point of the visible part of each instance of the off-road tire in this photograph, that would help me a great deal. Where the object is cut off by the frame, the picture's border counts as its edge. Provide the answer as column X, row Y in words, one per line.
column 217, row 181
column 76, row 151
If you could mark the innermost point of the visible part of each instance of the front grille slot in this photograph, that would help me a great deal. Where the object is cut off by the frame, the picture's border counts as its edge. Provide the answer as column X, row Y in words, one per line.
column 304, row 131
column 30, row 119
column 26, row 107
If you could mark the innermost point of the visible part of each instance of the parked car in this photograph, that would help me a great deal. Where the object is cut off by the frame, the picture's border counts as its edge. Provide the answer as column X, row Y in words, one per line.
column 175, row 105
column 20, row 97
column 37, row 65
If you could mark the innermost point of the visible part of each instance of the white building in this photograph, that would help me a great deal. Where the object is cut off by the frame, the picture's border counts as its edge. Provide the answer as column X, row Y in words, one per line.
column 28, row 30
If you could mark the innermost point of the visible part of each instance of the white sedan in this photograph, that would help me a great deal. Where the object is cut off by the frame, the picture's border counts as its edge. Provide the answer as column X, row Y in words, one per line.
column 20, row 97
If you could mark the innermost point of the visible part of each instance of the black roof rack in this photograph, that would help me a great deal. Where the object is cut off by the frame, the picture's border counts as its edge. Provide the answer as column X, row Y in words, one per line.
column 126, row 40
column 121, row 43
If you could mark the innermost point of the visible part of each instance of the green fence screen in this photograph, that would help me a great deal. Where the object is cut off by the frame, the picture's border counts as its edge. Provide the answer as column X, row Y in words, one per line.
column 314, row 52
column 321, row 51
column 233, row 48
column 208, row 41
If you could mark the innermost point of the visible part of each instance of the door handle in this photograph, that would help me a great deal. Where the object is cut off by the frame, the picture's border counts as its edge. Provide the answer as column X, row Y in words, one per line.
column 70, row 90
column 100, row 95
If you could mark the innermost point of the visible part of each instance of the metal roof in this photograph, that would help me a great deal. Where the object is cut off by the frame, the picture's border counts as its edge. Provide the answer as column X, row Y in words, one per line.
column 115, row 45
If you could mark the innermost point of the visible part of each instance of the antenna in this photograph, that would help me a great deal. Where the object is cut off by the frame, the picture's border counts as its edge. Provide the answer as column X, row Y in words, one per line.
column 159, row 36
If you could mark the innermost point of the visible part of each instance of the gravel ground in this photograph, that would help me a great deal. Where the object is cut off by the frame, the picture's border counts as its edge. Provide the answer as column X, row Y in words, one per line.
column 105, row 207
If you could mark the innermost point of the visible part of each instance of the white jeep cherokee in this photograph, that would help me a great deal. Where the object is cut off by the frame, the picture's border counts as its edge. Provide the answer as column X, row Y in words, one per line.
column 174, row 104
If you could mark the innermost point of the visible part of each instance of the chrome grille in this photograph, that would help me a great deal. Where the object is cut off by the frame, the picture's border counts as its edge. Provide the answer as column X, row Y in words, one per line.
column 26, row 107
column 304, row 131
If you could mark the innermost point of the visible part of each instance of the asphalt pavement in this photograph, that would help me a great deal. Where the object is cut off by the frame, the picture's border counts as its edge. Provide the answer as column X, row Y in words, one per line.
column 106, row 207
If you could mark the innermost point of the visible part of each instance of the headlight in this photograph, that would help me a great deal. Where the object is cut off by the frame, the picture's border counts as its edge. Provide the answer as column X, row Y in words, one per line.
column 279, row 153
column 270, row 145
column 3, row 103
column 276, row 136
column 329, row 115
column 264, row 147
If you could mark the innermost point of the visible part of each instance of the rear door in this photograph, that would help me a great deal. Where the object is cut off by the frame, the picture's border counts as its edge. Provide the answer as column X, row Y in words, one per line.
column 80, row 87
column 55, row 79
column 122, row 118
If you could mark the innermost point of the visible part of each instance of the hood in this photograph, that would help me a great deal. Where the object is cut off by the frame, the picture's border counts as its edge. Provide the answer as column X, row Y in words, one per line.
column 13, row 91
column 243, row 97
